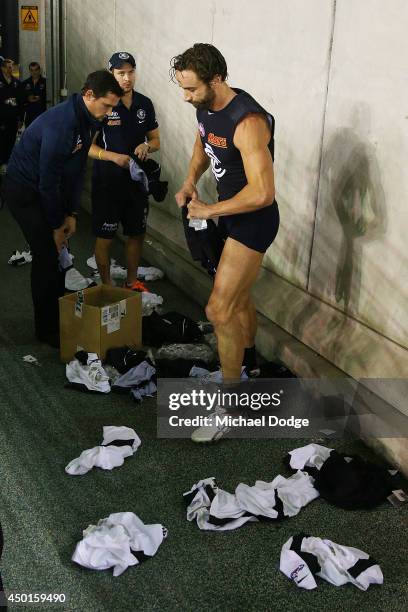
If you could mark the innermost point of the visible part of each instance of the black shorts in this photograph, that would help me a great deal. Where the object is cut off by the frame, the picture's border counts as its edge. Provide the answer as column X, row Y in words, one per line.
column 256, row 230
column 118, row 202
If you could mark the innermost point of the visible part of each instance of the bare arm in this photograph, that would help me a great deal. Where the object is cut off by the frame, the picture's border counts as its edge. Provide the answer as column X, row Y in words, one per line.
column 151, row 145
column 198, row 165
column 251, row 138
column 101, row 154
column 153, row 140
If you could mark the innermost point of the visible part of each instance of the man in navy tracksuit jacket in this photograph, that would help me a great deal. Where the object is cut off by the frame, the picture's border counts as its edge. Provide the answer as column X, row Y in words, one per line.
column 43, row 187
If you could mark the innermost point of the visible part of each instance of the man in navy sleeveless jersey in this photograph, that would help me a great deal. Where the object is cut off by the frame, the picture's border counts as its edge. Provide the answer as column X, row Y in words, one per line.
column 235, row 135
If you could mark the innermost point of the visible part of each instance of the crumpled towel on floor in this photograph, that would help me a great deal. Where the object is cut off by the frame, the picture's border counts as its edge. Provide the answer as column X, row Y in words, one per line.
column 149, row 302
column 119, row 541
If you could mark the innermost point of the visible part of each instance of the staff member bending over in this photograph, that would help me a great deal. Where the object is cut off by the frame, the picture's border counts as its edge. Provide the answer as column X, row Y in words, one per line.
column 44, row 183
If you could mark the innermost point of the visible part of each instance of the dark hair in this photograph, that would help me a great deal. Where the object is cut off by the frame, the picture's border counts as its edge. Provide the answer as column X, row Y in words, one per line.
column 203, row 59
column 33, row 65
column 101, row 83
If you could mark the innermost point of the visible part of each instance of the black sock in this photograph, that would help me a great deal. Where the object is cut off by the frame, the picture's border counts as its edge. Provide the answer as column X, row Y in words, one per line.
column 250, row 358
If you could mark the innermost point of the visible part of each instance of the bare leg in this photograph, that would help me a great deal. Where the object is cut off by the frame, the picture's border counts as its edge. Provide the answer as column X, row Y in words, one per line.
column 237, row 272
column 102, row 256
column 248, row 320
column 134, row 246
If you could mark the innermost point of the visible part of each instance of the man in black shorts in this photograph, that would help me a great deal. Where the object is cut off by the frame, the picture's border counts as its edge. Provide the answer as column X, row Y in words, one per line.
column 131, row 129
column 236, row 136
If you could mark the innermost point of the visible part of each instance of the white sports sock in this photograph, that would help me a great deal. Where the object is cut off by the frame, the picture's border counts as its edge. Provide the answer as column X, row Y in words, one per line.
column 311, row 455
column 217, row 510
column 112, row 453
column 304, row 557
column 149, row 274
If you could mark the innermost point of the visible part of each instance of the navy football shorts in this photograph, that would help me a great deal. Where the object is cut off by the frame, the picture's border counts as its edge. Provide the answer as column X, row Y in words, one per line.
column 115, row 203
column 256, row 230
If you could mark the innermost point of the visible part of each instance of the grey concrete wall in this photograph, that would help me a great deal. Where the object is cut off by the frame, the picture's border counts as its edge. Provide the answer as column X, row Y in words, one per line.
column 333, row 73
column 32, row 43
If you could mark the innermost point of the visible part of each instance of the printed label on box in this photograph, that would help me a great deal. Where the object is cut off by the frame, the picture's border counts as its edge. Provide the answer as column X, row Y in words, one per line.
column 113, row 326
column 110, row 313
column 122, row 308
column 78, row 309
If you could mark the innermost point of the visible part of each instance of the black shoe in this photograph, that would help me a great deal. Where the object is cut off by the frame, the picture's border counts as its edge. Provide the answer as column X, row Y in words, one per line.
column 52, row 339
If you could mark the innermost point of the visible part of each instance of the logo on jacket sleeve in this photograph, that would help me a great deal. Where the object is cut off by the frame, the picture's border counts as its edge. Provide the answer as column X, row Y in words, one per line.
column 114, row 119
column 78, row 145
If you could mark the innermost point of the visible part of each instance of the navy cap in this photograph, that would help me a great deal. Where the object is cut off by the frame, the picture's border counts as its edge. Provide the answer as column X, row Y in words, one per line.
column 118, row 59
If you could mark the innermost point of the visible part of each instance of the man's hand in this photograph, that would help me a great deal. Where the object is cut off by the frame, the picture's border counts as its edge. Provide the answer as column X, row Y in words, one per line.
column 60, row 238
column 198, row 210
column 69, row 226
column 142, row 151
column 121, row 160
column 187, row 192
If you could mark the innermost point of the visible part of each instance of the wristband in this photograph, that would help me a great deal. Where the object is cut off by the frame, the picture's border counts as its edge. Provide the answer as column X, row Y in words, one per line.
column 100, row 154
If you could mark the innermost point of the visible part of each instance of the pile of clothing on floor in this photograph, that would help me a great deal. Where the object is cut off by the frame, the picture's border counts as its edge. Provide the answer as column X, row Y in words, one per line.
column 125, row 371
column 19, row 258
column 122, row 539
column 347, row 482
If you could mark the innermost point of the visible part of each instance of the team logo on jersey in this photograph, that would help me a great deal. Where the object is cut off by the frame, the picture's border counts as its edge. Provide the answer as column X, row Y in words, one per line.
column 78, row 145
column 217, row 171
column 201, row 129
column 141, row 114
column 217, row 141
column 124, row 55
column 296, row 571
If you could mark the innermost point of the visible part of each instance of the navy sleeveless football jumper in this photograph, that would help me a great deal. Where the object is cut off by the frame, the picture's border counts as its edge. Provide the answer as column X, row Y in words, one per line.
column 256, row 230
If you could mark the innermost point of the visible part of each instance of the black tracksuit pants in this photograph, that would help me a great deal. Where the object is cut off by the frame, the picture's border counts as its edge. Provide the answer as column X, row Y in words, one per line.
column 47, row 281
column 8, row 133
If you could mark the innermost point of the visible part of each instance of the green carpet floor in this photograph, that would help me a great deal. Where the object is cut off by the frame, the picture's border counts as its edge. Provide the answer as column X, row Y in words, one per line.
column 43, row 511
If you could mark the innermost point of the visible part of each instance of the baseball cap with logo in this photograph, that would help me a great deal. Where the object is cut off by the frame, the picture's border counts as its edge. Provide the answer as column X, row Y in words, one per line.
column 118, row 59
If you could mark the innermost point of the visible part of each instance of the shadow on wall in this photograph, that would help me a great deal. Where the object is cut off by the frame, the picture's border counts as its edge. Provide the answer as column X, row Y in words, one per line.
column 289, row 254
column 351, row 184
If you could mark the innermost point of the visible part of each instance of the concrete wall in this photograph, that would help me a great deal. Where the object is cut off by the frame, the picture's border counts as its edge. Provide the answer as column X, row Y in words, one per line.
column 32, row 43
column 334, row 81
column 334, row 75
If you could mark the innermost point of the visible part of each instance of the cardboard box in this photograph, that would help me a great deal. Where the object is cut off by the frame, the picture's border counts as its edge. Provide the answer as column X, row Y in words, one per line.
column 99, row 318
